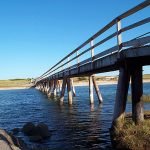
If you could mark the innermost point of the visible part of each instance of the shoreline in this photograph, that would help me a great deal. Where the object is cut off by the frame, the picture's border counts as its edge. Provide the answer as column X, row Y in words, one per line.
column 13, row 88
column 129, row 135
column 76, row 84
column 102, row 83
column 98, row 82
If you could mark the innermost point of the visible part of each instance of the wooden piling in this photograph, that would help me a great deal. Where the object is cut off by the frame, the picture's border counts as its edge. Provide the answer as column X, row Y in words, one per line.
column 97, row 90
column 40, row 86
column 58, row 87
column 43, row 87
column 137, row 92
column 91, row 90
column 121, row 96
column 47, row 86
column 50, row 90
column 73, row 88
column 69, row 91
column 63, row 90
column 55, row 88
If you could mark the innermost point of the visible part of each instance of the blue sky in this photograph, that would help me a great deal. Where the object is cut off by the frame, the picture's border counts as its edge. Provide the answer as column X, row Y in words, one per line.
column 36, row 34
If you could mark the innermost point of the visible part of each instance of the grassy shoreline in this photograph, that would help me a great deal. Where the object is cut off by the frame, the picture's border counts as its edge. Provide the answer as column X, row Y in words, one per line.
column 131, row 136
column 14, row 84
column 145, row 98
column 78, row 81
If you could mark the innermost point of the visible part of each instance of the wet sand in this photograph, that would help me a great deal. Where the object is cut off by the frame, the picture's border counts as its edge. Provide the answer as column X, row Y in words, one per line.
column 13, row 88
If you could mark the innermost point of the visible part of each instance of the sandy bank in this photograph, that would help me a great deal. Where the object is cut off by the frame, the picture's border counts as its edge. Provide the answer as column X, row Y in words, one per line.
column 102, row 83
column 98, row 82
column 13, row 88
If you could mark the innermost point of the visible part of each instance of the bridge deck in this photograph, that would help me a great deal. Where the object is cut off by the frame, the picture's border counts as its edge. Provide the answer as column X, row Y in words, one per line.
column 108, row 63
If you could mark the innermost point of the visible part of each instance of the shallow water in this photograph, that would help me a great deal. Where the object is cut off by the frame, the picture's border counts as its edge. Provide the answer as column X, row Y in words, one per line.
column 80, row 126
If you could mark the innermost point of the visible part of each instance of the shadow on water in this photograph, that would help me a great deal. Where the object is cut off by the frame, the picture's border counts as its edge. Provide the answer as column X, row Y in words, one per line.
column 80, row 126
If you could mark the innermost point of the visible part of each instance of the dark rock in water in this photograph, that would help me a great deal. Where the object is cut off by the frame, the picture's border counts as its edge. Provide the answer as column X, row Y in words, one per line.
column 35, row 138
column 36, row 133
column 29, row 128
column 16, row 130
column 42, row 130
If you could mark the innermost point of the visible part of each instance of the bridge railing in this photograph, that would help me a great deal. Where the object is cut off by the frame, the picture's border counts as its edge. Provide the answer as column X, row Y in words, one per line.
column 64, row 64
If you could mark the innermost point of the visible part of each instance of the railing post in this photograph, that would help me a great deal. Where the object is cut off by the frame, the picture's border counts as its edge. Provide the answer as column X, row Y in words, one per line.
column 61, row 68
column 119, row 36
column 92, row 53
column 68, row 62
column 77, row 53
column 68, row 65
column 78, row 61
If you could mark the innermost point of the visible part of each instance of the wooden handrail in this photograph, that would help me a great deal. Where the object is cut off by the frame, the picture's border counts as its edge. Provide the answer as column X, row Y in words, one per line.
column 108, row 26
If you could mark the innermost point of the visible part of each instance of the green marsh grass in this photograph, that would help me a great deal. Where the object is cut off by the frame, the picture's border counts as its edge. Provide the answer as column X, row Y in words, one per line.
column 145, row 98
column 14, row 83
column 132, row 136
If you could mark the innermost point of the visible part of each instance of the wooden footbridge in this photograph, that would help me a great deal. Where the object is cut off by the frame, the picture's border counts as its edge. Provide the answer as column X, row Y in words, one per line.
column 126, row 56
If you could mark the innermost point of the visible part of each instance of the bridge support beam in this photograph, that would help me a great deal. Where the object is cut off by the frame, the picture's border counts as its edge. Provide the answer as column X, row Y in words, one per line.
column 137, row 92
column 58, row 87
column 73, row 88
column 42, row 86
column 97, row 90
column 55, row 88
column 50, row 89
column 69, row 89
column 91, row 90
column 121, row 97
column 47, row 87
column 63, row 90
